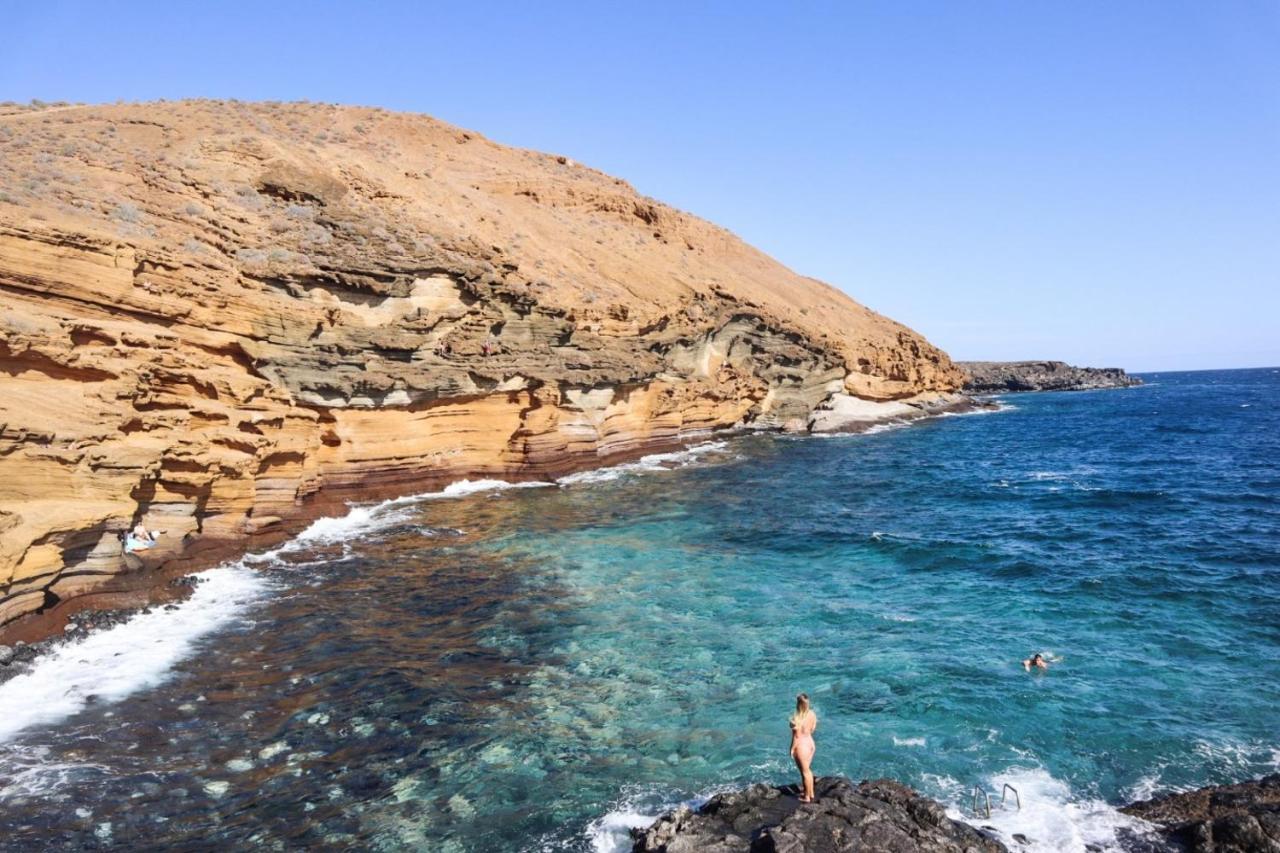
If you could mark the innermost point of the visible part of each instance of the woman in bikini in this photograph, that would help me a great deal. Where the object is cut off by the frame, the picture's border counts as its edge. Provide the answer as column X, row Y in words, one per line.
column 803, row 723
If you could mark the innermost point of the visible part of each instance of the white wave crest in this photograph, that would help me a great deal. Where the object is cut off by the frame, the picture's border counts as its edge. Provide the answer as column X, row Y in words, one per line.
column 653, row 462
column 362, row 519
column 462, row 488
column 359, row 520
column 108, row 665
column 1000, row 406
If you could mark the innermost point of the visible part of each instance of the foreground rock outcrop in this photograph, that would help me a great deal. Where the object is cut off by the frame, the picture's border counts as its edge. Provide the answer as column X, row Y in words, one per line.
column 1242, row 818
column 997, row 377
column 222, row 319
column 882, row 815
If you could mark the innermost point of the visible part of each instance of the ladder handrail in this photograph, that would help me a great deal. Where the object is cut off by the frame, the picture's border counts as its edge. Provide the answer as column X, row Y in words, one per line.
column 977, row 789
column 1016, row 796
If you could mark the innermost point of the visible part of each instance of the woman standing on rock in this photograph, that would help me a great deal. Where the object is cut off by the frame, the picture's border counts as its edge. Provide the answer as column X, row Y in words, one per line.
column 803, row 723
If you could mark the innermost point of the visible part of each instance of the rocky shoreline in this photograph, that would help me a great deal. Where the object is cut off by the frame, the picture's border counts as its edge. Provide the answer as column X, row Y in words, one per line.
column 882, row 815
column 165, row 576
column 1237, row 818
column 15, row 659
column 167, row 571
column 850, row 415
column 885, row 815
column 1000, row 377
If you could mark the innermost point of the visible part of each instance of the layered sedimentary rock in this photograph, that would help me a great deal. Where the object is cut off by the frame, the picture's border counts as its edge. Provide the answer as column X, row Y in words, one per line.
column 223, row 318
column 1240, row 818
column 996, row 377
column 883, row 816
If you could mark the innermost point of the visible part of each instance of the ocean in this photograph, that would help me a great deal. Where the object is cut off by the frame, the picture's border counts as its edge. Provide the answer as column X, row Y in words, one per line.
column 538, row 668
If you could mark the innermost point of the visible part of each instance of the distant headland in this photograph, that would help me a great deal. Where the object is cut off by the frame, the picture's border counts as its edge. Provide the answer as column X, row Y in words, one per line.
column 998, row 377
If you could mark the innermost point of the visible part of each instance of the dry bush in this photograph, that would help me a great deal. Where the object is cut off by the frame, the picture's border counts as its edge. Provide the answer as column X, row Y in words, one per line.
column 126, row 212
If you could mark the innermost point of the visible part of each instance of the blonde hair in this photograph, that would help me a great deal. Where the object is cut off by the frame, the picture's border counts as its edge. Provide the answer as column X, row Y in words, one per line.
column 803, row 710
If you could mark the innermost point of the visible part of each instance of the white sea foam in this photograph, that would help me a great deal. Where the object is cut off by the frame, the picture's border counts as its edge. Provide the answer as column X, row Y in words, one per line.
column 685, row 456
column 1240, row 760
column 363, row 519
column 1147, row 787
column 1000, row 406
column 1052, row 818
column 886, row 426
column 612, row 833
column 653, row 462
column 908, row 741
column 636, row 809
column 359, row 520
column 28, row 771
column 110, row 664
column 873, row 429
column 595, row 475
column 462, row 488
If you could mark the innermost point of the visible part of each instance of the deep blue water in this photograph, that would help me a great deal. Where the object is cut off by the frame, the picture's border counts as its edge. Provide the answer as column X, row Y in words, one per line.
column 535, row 668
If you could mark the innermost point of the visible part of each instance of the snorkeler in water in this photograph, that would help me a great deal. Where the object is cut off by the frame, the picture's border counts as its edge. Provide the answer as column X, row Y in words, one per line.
column 1036, row 661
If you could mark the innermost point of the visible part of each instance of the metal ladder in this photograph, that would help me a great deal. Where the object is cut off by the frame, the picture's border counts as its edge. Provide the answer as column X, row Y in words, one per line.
column 986, row 799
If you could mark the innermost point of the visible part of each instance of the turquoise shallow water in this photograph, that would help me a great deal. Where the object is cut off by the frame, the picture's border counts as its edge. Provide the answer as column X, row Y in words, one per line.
column 537, row 668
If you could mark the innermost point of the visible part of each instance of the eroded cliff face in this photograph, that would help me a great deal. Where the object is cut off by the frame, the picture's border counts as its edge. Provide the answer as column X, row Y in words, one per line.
column 224, row 318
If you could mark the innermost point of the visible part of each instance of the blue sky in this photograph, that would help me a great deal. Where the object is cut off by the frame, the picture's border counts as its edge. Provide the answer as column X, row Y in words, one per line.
column 1092, row 181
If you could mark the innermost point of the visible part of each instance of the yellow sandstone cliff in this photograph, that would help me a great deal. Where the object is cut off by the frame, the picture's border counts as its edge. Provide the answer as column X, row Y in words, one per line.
column 225, row 318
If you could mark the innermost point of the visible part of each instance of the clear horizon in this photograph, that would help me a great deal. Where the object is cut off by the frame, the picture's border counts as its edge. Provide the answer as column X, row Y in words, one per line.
column 1091, row 184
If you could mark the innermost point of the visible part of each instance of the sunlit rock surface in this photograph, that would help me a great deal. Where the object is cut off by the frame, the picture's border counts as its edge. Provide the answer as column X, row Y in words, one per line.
column 223, row 318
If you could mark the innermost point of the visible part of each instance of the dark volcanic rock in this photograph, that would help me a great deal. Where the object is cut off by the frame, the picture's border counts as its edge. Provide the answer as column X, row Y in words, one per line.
column 882, row 815
column 1243, row 818
column 996, row 377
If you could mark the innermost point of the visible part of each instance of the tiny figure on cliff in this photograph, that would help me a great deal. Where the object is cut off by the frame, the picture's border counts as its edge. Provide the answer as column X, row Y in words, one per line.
column 1036, row 661
column 803, row 723
column 140, row 539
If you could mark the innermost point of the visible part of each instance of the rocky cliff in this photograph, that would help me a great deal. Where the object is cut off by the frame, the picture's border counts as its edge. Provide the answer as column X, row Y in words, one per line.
column 998, row 377
column 224, row 318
